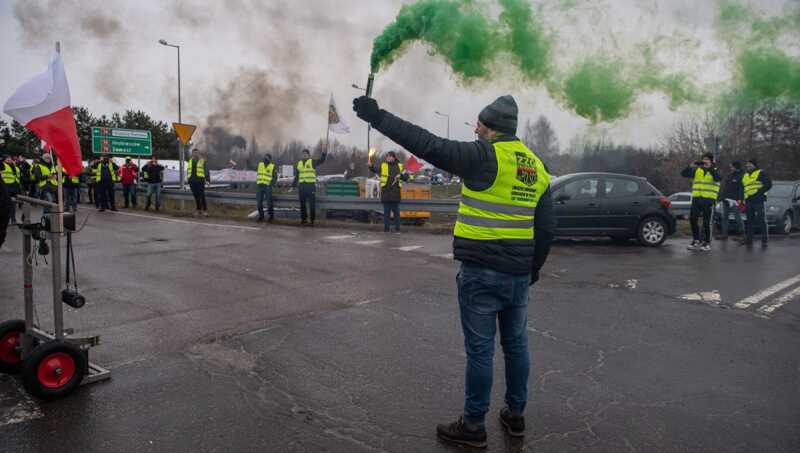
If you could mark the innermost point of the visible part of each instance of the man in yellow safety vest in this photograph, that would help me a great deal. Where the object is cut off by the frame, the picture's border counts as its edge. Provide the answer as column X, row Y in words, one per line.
column 756, row 185
column 267, row 174
column 502, row 237
column 11, row 176
column 305, row 179
column 705, row 190
column 198, row 176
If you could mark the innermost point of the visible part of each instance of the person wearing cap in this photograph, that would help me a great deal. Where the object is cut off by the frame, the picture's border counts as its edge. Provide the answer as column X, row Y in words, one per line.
column 198, row 176
column 266, row 175
column 129, row 174
column 392, row 177
column 705, row 191
column 756, row 184
column 502, row 237
column 305, row 179
column 106, row 174
column 11, row 174
column 153, row 174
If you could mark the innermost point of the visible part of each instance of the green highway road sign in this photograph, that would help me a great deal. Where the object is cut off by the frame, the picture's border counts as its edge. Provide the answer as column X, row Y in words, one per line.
column 126, row 142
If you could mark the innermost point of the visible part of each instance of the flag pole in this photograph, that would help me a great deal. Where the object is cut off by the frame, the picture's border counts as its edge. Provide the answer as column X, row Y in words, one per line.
column 60, row 189
column 328, row 129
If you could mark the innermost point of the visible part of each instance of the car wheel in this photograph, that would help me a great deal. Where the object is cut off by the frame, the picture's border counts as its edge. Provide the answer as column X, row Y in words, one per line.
column 652, row 232
column 786, row 224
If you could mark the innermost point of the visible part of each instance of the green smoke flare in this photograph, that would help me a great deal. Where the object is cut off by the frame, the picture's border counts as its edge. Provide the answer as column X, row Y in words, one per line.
column 466, row 39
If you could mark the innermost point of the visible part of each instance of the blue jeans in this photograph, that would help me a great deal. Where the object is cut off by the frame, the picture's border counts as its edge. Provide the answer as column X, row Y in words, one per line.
column 757, row 217
column 725, row 222
column 391, row 207
column 154, row 188
column 265, row 191
column 71, row 195
column 488, row 298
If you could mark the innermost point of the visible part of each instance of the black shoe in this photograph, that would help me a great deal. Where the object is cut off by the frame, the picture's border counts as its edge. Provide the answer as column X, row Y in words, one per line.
column 114, row 209
column 260, row 219
column 147, row 208
column 458, row 432
column 764, row 244
column 304, row 222
column 270, row 219
column 102, row 210
column 515, row 425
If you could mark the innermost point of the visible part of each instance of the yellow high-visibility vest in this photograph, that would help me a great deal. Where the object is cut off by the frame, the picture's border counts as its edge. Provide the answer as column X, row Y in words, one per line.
column 265, row 173
column 306, row 172
column 201, row 168
column 10, row 173
column 385, row 174
column 506, row 210
column 751, row 183
column 703, row 185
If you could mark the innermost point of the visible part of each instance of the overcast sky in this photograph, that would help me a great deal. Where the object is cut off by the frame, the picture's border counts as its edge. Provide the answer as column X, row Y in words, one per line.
column 267, row 69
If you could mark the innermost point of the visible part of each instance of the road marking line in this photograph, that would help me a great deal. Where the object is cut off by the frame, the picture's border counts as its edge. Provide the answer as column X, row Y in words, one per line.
column 378, row 241
column 448, row 256
column 780, row 302
column 166, row 219
column 408, row 248
column 761, row 295
column 340, row 237
column 704, row 296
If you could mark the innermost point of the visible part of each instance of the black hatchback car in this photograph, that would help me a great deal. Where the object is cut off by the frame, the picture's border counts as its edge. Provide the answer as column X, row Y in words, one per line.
column 608, row 204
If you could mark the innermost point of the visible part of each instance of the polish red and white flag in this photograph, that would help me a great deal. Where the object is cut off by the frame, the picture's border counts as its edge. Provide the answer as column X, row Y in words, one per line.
column 42, row 104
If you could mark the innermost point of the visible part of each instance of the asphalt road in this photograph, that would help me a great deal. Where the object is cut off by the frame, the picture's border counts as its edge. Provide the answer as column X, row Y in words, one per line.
column 240, row 338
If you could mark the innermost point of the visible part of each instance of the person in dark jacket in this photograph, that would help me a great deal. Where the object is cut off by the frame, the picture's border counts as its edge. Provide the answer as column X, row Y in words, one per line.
column 305, row 179
column 732, row 196
column 392, row 175
column 106, row 174
column 756, row 185
column 5, row 211
column 199, row 177
column 266, row 176
column 11, row 175
column 153, row 174
column 705, row 191
column 505, row 194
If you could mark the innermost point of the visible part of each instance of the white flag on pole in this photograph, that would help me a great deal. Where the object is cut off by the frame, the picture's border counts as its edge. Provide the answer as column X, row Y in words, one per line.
column 335, row 122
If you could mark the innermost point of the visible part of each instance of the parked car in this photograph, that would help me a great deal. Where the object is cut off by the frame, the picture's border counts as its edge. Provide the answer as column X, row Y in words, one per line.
column 607, row 204
column 783, row 208
column 681, row 204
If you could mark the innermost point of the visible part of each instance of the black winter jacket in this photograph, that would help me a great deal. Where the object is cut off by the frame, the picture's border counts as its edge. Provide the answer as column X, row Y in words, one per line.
column 733, row 188
column 476, row 164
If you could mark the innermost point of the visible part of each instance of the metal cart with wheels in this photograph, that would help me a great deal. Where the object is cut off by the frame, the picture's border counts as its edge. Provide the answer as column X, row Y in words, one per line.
column 52, row 364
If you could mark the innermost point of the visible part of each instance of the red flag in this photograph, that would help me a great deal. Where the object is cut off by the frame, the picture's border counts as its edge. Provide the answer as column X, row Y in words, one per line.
column 413, row 165
column 42, row 104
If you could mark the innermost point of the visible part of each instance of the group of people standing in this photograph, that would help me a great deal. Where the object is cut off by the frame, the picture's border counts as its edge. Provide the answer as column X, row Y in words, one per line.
column 104, row 174
column 743, row 189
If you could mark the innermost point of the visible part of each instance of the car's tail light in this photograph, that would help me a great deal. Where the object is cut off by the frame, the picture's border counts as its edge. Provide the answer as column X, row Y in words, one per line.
column 665, row 202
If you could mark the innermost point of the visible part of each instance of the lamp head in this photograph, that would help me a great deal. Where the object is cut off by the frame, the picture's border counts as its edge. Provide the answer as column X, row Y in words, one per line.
column 163, row 42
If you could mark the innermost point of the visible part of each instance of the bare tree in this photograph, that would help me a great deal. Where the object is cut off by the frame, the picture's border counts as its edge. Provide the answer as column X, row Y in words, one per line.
column 541, row 138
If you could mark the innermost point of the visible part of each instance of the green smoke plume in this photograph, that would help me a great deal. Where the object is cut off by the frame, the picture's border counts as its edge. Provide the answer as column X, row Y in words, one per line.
column 461, row 33
column 596, row 90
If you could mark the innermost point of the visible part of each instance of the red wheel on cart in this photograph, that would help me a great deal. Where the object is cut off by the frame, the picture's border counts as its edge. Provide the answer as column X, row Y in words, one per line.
column 54, row 370
column 11, row 346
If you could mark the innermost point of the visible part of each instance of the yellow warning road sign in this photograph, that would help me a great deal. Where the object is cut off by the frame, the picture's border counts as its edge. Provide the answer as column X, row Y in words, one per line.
column 184, row 131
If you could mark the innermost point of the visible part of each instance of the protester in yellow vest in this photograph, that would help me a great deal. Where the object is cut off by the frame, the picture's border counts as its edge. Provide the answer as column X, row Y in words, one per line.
column 392, row 177
column 705, row 190
column 756, row 185
column 266, row 175
column 198, row 176
column 11, row 176
column 72, row 191
column 106, row 175
column 502, row 238
column 305, row 179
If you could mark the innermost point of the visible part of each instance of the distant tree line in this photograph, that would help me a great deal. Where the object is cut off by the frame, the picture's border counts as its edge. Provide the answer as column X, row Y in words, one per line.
column 769, row 132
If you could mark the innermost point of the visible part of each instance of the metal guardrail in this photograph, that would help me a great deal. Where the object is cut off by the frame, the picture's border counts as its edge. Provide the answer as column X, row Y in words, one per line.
column 448, row 206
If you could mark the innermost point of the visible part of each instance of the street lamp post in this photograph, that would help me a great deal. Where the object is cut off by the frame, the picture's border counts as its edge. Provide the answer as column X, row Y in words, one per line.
column 181, row 151
column 369, row 126
column 446, row 115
